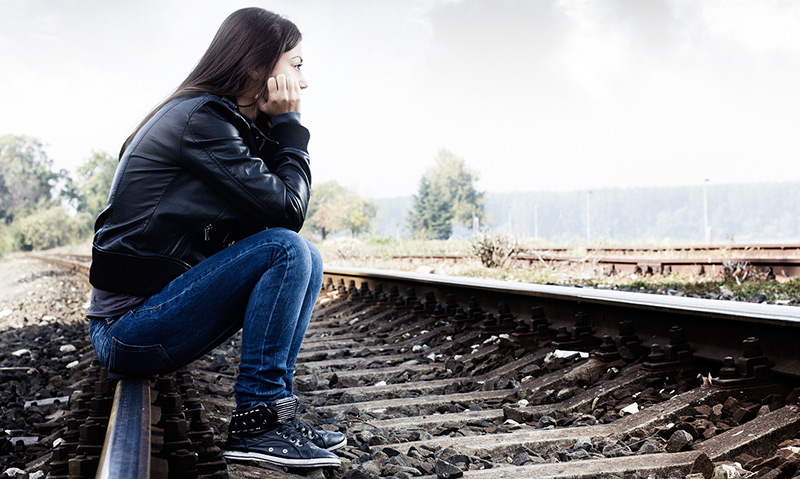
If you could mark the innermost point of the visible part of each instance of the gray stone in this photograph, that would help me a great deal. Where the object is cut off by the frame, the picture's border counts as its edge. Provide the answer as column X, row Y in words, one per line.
column 521, row 458
column 585, row 420
column 401, row 460
column 392, row 469
column 427, row 467
column 352, row 411
column 315, row 473
column 415, row 454
column 618, row 449
column 364, row 436
column 513, row 413
column 450, row 364
column 377, row 440
column 726, row 471
column 460, row 460
column 355, row 474
column 370, row 467
column 584, row 443
column 445, row 470
column 703, row 466
column 564, row 394
column 535, row 459
column 679, row 440
column 649, row 447
column 578, row 455
column 381, row 456
column 546, row 422
column 447, row 452
column 419, row 436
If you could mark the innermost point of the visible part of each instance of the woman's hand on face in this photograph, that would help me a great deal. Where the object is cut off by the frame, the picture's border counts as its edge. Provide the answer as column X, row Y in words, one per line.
column 283, row 95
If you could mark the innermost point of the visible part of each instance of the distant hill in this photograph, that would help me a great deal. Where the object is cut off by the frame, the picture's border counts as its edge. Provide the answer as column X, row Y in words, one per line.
column 740, row 213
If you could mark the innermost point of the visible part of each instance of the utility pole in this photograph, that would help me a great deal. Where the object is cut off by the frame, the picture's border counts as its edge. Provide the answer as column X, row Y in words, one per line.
column 589, row 216
column 706, row 229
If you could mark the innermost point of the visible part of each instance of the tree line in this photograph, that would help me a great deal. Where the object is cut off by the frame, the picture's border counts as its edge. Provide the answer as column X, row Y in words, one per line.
column 42, row 207
column 735, row 213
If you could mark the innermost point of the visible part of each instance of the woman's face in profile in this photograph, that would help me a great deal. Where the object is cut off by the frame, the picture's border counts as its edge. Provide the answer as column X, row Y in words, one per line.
column 289, row 64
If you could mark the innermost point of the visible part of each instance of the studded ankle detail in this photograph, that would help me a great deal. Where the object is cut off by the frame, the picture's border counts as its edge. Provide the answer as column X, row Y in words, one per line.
column 260, row 417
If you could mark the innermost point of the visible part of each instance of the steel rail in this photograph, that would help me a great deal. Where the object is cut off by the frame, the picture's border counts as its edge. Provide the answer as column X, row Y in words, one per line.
column 720, row 326
column 81, row 266
column 126, row 451
column 698, row 306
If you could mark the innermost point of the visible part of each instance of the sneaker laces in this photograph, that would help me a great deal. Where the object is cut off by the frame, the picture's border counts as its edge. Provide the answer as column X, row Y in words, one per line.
column 288, row 431
column 304, row 429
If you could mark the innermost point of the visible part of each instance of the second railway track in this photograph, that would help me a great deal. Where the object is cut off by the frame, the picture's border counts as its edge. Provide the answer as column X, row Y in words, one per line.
column 773, row 261
column 444, row 377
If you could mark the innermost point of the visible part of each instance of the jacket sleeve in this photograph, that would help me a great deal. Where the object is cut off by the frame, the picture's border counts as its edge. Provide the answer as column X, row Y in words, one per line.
column 272, row 192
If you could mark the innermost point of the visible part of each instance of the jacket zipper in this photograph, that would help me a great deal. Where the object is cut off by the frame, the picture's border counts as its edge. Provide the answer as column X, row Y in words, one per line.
column 207, row 231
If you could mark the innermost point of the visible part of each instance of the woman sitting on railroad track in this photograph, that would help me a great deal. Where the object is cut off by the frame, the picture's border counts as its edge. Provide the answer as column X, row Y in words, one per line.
column 199, row 237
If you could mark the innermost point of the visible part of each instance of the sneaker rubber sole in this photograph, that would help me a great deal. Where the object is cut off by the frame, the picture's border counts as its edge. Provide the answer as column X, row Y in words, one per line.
column 282, row 461
column 338, row 445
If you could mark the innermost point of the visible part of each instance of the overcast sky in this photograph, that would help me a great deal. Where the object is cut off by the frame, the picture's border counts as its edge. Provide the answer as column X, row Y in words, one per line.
column 534, row 95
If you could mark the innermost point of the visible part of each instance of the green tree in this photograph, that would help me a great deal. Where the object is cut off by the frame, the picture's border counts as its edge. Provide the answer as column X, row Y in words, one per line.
column 446, row 194
column 431, row 216
column 94, row 180
column 326, row 213
column 27, row 179
column 333, row 208
column 360, row 215
column 48, row 228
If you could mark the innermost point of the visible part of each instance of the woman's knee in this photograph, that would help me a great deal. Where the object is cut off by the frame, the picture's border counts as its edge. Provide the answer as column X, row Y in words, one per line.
column 286, row 237
column 316, row 259
column 298, row 249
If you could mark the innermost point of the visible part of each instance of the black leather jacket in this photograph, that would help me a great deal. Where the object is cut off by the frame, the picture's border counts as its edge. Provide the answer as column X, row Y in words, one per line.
column 197, row 177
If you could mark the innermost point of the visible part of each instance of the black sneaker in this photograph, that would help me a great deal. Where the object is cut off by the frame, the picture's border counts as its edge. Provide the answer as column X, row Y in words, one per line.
column 258, row 434
column 289, row 407
column 328, row 440
column 282, row 446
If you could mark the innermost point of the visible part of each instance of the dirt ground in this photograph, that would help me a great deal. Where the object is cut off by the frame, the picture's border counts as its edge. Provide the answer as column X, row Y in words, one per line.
column 34, row 292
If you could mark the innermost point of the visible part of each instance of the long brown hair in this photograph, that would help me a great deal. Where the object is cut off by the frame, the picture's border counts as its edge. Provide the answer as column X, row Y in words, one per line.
column 250, row 41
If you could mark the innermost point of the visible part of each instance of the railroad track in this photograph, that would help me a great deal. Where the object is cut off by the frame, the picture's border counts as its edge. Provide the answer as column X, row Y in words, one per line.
column 771, row 260
column 764, row 250
column 441, row 377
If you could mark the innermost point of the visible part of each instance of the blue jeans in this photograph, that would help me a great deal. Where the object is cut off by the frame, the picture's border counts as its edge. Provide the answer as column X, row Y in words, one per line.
column 266, row 285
